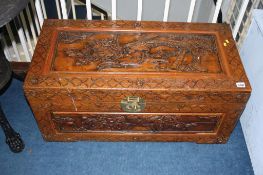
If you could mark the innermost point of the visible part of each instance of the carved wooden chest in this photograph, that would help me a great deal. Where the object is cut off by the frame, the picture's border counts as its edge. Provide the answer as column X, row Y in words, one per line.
column 136, row 81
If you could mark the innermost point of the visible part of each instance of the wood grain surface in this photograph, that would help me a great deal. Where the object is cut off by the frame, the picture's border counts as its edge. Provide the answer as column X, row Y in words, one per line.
column 189, row 76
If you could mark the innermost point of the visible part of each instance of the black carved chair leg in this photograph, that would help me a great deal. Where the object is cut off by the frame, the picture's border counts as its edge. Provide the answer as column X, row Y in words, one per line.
column 13, row 138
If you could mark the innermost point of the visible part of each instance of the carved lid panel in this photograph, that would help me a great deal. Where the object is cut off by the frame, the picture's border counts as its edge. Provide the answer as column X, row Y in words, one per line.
column 136, row 55
column 120, row 51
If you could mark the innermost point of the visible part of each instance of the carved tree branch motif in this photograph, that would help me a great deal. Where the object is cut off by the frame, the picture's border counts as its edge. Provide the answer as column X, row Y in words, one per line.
column 135, row 123
column 142, row 51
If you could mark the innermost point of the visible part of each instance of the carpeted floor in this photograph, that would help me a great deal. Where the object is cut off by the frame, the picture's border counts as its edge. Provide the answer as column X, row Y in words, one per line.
column 124, row 158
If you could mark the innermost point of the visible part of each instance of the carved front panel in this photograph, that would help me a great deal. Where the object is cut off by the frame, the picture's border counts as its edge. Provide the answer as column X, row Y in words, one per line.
column 88, row 122
column 78, row 51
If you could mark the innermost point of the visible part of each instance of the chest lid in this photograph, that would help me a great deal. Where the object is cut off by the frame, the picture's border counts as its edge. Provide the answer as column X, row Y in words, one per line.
column 132, row 55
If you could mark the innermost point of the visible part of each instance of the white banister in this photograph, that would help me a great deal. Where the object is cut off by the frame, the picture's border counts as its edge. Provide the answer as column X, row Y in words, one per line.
column 73, row 9
column 217, row 9
column 139, row 11
column 240, row 17
column 113, row 10
column 64, row 9
column 43, row 8
column 31, row 26
column 101, row 16
column 22, row 38
column 39, row 12
column 35, row 16
column 12, row 38
column 26, row 32
column 32, row 20
column 58, row 9
column 191, row 11
column 5, row 47
column 88, row 8
column 166, row 10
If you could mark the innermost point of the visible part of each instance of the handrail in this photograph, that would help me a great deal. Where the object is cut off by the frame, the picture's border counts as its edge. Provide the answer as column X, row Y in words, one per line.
column 97, row 9
column 100, row 10
column 219, row 17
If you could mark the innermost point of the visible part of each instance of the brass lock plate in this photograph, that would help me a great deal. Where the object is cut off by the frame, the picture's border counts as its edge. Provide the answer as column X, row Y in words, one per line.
column 133, row 104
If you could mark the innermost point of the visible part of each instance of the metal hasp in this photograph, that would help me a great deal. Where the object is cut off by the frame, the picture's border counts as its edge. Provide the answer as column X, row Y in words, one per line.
column 133, row 104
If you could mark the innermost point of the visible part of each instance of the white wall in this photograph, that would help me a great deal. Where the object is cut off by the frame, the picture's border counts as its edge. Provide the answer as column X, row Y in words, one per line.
column 252, row 118
column 153, row 9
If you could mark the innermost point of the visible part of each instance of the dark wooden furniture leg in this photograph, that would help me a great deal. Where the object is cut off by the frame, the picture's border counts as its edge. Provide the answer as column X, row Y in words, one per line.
column 13, row 138
column 9, row 10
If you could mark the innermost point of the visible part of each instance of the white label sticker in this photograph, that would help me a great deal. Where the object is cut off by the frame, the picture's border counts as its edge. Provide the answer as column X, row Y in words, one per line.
column 240, row 84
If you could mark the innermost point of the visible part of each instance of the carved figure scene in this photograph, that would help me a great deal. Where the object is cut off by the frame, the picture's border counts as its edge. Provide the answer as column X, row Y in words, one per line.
column 136, row 52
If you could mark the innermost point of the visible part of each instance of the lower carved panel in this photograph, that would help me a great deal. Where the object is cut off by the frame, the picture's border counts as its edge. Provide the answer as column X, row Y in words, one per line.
column 122, row 122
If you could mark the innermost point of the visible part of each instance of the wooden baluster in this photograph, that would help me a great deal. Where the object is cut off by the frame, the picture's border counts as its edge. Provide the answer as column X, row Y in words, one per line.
column 217, row 9
column 139, row 11
column 191, row 11
column 89, row 12
column 166, row 10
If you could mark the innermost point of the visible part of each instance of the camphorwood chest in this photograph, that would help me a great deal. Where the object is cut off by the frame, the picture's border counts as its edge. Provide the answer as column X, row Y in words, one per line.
column 136, row 81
